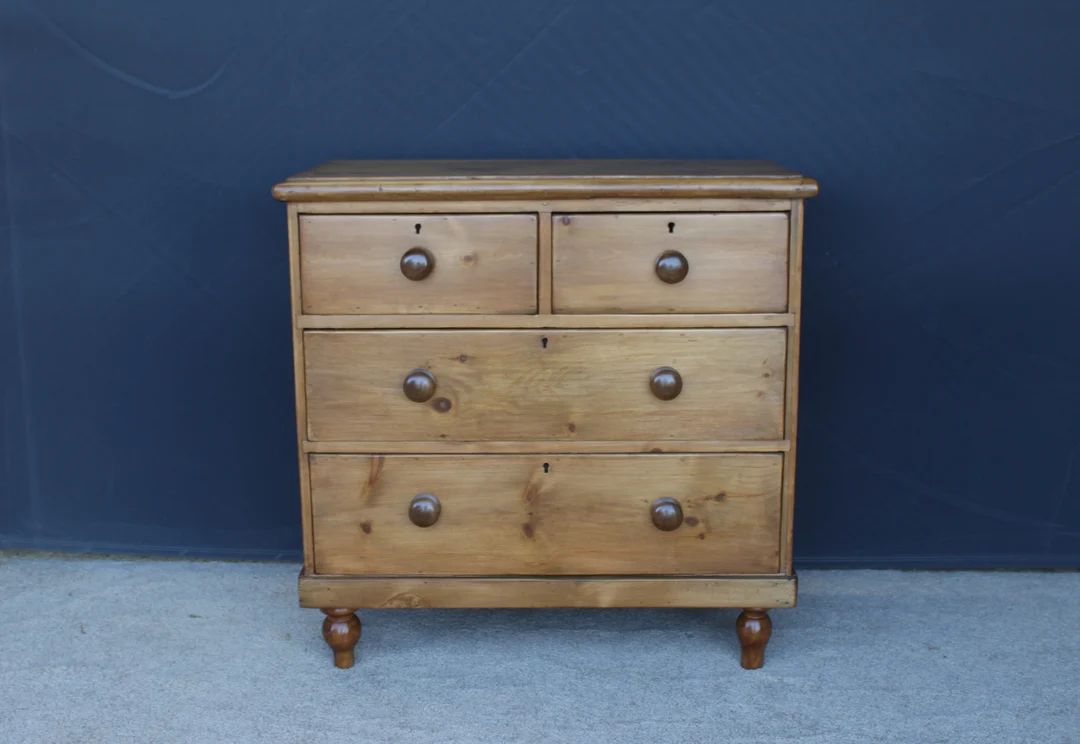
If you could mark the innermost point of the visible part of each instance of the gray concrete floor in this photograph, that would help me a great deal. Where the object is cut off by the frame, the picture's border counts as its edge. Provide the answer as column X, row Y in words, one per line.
column 113, row 650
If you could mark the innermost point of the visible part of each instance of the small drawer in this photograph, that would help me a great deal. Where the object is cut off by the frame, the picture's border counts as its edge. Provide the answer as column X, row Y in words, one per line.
column 581, row 385
column 670, row 263
column 546, row 515
column 395, row 264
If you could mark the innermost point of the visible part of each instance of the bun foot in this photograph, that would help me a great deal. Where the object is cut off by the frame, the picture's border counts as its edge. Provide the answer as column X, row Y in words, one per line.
column 753, row 628
column 341, row 631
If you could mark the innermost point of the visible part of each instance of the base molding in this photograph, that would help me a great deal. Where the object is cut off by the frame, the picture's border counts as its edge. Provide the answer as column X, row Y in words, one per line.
column 474, row 592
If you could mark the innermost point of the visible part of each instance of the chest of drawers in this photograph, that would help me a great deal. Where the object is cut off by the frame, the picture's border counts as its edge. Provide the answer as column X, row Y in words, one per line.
column 546, row 384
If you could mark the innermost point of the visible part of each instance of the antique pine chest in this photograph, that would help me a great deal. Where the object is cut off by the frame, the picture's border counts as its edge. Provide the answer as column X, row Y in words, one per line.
column 546, row 384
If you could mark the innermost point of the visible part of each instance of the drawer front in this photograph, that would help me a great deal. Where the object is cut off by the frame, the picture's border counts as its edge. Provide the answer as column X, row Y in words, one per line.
column 581, row 514
column 587, row 385
column 353, row 264
column 712, row 263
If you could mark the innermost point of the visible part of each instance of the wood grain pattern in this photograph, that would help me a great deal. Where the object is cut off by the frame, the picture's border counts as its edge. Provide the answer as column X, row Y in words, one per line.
column 483, row 264
column 753, row 627
column 555, row 386
column 341, row 631
column 477, row 592
column 570, row 447
column 292, row 226
column 714, row 320
column 543, row 252
column 581, row 204
column 606, row 263
column 791, row 405
column 550, row 515
column 542, row 179
column 537, row 469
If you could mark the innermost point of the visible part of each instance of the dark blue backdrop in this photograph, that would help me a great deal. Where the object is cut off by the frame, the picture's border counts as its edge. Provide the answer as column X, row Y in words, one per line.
column 144, row 321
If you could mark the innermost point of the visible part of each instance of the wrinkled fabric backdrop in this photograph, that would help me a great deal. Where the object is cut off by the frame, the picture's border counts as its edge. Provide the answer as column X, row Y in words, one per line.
column 144, row 320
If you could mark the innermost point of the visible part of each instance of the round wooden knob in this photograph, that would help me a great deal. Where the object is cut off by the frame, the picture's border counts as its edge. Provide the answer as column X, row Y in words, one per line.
column 419, row 385
column 665, row 383
column 425, row 507
column 667, row 514
column 417, row 263
column 672, row 267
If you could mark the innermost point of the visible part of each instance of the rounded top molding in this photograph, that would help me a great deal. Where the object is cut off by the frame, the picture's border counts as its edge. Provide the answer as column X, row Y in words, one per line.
column 381, row 180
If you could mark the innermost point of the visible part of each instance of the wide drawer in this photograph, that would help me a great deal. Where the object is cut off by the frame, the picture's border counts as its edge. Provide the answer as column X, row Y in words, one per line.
column 357, row 264
column 534, row 385
column 670, row 263
column 552, row 515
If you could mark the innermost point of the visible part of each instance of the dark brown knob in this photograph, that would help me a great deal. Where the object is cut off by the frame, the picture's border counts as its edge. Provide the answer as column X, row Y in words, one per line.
column 665, row 383
column 667, row 514
column 672, row 267
column 417, row 263
column 425, row 507
column 419, row 385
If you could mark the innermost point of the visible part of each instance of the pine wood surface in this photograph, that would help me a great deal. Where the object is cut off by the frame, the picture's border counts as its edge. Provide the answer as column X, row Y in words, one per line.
column 351, row 264
column 533, row 385
column 542, row 179
column 605, row 263
column 548, row 515
column 560, row 591
column 547, row 299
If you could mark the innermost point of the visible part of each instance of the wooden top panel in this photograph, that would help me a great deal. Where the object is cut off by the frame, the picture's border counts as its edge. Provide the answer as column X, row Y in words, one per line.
column 347, row 180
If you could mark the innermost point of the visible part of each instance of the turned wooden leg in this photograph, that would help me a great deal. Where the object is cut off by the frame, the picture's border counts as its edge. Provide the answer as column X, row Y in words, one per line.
column 341, row 630
column 754, row 628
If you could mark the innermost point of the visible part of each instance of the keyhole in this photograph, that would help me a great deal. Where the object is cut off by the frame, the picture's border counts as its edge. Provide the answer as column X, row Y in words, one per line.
column 670, row 227
column 547, row 466
column 543, row 342
column 417, row 228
